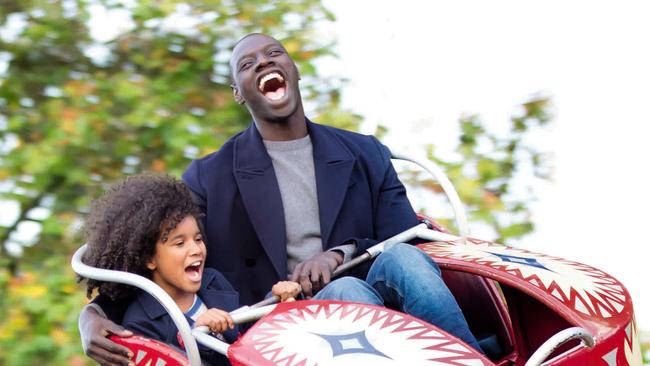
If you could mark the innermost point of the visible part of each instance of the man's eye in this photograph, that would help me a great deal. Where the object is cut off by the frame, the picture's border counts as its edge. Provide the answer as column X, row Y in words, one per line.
column 245, row 65
column 275, row 52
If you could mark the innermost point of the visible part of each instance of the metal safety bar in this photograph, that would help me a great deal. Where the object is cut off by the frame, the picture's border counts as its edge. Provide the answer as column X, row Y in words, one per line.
column 149, row 286
column 560, row 338
column 242, row 315
column 439, row 175
column 189, row 336
column 419, row 231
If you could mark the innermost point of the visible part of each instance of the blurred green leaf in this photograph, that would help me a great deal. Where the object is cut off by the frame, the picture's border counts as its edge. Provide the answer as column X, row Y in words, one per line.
column 490, row 163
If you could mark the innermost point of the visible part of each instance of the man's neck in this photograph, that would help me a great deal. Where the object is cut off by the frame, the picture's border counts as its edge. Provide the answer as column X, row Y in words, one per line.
column 292, row 128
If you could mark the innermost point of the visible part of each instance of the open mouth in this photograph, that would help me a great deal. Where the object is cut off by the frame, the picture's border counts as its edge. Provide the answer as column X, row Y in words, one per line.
column 272, row 86
column 193, row 271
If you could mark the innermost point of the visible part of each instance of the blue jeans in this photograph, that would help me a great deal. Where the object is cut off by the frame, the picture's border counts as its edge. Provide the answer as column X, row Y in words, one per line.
column 405, row 279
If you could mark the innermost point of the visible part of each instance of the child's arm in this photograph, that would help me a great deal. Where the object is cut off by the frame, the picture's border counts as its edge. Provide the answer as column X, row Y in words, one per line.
column 217, row 320
column 286, row 290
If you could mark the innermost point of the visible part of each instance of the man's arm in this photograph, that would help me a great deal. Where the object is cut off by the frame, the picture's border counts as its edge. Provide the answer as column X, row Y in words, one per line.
column 94, row 328
column 393, row 213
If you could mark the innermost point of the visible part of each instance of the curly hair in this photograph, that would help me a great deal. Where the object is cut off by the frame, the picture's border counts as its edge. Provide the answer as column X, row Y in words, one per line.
column 126, row 222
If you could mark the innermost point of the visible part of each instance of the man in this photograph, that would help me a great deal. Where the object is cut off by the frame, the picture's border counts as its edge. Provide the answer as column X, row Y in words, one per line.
column 291, row 198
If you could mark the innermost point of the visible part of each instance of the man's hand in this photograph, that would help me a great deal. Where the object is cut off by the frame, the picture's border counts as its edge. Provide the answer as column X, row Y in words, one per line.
column 94, row 330
column 217, row 320
column 315, row 273
column 286, row 290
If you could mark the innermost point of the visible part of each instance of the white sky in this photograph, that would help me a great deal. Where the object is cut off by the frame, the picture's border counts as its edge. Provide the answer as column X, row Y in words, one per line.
column 416, row 66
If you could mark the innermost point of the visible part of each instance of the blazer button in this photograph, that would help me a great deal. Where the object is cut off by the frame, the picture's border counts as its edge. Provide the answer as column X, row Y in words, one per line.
column 249, row 262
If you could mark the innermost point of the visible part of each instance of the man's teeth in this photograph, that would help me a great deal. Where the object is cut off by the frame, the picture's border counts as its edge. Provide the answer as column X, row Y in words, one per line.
column 268, row 77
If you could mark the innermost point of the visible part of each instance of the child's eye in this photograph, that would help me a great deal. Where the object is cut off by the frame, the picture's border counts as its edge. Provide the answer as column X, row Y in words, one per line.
column 199, row 239
column 179, row 243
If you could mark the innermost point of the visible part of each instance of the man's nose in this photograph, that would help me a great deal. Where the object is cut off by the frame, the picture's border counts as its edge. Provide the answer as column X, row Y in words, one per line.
column 264, row 61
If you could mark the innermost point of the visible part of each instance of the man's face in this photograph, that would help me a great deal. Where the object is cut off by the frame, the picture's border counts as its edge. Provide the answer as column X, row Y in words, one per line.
column 265, row 78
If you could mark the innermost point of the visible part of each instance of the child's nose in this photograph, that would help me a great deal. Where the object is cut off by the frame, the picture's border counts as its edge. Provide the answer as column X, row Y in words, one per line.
column 195, row 247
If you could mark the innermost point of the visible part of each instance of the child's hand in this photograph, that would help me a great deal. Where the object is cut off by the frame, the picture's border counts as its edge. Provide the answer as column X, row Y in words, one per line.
column 286, row 290
column 216, row 319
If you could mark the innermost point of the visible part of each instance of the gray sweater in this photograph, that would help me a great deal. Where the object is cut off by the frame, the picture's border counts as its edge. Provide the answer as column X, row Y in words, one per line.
column 293, row 162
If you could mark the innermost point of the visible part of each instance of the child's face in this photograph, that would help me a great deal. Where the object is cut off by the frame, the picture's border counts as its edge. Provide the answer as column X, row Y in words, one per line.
column 177, row 265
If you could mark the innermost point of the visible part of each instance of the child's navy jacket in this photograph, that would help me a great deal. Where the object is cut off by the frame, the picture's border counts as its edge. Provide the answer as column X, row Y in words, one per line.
column 147, row 317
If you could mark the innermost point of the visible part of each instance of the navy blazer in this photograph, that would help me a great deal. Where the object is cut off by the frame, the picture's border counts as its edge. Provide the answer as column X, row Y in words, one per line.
column 147, row 317
column 360, row 200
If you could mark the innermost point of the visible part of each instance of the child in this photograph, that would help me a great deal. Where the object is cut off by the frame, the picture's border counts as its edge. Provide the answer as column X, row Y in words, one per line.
column 147, row 225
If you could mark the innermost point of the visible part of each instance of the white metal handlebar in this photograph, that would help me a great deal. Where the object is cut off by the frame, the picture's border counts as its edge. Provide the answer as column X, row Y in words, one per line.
column 418, row 231
column 149, row 286
column 560, row 338
column 190, row 336
column 440, row 176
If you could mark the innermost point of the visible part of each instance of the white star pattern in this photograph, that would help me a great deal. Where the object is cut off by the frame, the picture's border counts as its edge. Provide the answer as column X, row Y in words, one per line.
column 586, row 289
column 292, row 337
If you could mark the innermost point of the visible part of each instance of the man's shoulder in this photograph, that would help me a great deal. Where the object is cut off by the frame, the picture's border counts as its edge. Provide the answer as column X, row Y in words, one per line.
column 217, row 162
column 354, row 140
column 343, row 132
column 221, row 154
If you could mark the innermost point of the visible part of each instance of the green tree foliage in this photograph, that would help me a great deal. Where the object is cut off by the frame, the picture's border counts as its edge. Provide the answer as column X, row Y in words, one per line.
column 80, row 109
column 486, row 169
column 82, row 113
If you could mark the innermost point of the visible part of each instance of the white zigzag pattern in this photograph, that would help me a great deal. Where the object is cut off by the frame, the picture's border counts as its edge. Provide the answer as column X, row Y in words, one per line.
column 286, row 337
column 632, row 345
column 593, row 292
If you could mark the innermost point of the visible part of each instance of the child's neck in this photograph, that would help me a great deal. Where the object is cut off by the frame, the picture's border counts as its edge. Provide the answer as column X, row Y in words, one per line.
column 185, row 301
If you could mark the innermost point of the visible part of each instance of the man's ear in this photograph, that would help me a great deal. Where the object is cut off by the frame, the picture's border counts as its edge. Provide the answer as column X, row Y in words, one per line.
column 236, row 94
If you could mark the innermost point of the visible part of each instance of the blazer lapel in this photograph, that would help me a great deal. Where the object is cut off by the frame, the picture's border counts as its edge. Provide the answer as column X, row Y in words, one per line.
column 260, row 194
column 333, row 163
